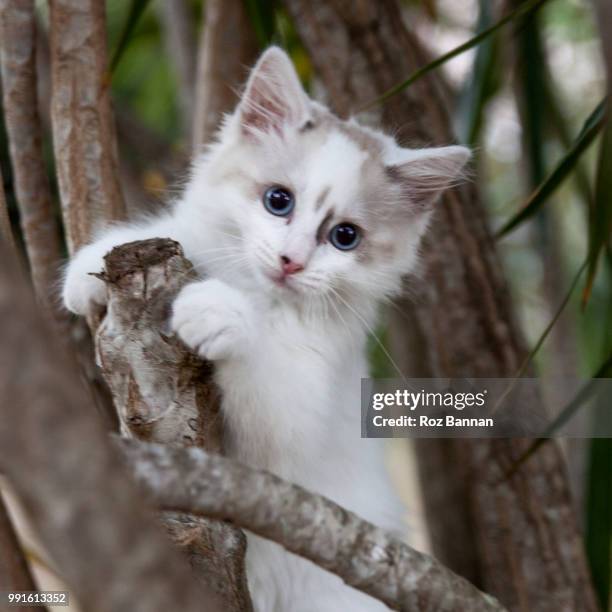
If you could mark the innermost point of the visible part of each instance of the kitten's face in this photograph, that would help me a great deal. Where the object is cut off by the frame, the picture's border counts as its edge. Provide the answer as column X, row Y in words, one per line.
column 318, row 207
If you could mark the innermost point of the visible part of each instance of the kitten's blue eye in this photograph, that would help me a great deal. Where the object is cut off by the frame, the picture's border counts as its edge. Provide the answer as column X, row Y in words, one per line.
column 279, row 201
column 345, row 236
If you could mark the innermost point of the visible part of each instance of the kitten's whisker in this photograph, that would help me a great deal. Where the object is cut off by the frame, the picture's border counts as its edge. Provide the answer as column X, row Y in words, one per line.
column 372, row 333
column 215, row 250
column 225, row 260
column 239, row 237
column 342, row 319
column 220, row 257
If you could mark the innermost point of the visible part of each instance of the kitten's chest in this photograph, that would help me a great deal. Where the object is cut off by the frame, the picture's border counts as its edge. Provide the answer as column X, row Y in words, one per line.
column 284, row 400
column 309, row 352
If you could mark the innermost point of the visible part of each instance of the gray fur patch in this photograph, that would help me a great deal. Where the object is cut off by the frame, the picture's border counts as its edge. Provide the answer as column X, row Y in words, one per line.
column 324, row 225
column 365, row 141
column 321, row 198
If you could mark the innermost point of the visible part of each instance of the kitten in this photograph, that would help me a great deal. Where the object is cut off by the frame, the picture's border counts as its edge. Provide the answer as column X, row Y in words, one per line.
column 301, row 224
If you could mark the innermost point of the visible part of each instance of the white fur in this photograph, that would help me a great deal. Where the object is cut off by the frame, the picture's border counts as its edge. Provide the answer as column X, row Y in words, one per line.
column 289, row 358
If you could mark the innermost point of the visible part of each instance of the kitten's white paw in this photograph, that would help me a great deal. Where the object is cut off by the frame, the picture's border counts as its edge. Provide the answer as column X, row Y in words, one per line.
column 213, row 319
column 82, row 290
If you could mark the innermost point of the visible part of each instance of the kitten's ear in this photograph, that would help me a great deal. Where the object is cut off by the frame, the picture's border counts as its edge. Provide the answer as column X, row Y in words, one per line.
column 425, row 173
column 273, row 98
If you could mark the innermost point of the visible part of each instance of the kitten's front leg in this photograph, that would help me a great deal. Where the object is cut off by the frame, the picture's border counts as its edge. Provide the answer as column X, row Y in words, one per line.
column 214, row 320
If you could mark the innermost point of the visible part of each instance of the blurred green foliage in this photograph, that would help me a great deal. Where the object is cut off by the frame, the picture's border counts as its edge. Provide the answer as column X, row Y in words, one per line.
column 143, row 79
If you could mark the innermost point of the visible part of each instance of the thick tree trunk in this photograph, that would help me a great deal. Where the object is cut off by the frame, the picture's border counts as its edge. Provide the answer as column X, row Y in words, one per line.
column 83, row 126
column 165, row 394
column 529, row 552
column 84, row 144
column 227, row 48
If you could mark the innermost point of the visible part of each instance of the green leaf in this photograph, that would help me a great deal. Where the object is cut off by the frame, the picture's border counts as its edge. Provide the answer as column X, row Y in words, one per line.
column 523, row 10
column 591, row 128
column 600, row 224
column 482, row 85
column 377, row 354
column 570, row 409
column 552, row 322
column 559, row 124
column 579, row 399
column 538, row 345
column 531, row 79
column 137, row 8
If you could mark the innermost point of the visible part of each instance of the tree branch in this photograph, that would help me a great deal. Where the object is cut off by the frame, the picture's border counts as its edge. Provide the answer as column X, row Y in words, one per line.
column 165, row 394
column 84, row 143
column 221, row 72
column 83, row 127
column 309, row 525
column 40, row 228
column 90, row 518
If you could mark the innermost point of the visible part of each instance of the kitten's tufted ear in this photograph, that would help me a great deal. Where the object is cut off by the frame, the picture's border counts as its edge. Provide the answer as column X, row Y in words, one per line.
column 425, row 173
column 273, row 98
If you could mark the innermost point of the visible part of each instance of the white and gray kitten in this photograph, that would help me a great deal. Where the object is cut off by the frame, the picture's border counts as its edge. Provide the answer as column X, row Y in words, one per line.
column 301, row 224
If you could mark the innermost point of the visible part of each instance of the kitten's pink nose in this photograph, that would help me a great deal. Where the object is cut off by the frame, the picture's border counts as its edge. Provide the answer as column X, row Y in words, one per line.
column 289, row 266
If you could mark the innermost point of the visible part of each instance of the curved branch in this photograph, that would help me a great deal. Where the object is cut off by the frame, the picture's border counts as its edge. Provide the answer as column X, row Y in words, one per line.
column 23, row 126
column 309, row 525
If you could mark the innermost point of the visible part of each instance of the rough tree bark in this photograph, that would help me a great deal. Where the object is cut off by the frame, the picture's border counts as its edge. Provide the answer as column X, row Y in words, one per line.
column 40, row 228
column 83, row 127
column 221, row 72
column 306, row 524
column 143, row 150
column 165, row 394
column 84, row 143
column 529, row 552
column 91, row 519
column 14, row 570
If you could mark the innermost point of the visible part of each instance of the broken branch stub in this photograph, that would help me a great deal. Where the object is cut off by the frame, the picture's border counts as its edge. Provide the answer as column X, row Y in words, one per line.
column 163, row 393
